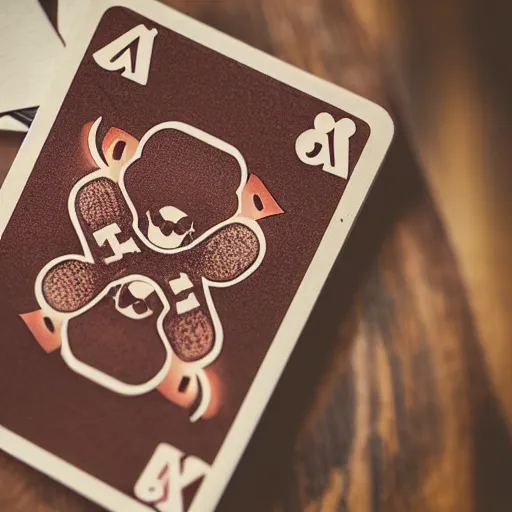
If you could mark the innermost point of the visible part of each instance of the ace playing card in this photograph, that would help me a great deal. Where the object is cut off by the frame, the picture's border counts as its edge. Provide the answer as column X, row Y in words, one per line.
column 165, row 232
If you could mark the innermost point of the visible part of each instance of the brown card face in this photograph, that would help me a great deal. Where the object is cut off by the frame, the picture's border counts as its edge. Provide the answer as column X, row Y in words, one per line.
column 165, row 233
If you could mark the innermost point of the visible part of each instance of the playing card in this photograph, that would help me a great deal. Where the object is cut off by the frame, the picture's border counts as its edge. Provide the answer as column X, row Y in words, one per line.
column 10, row 124
column 67, row 12
column 166, row 230
column 32, row 38
column 29, row 47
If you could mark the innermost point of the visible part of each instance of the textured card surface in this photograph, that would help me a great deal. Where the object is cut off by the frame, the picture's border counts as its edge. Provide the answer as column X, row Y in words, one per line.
column 166, row 230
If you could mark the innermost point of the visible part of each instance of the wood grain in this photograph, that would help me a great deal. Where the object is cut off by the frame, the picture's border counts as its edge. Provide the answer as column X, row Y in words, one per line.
column 445, row 60
column 388, row 403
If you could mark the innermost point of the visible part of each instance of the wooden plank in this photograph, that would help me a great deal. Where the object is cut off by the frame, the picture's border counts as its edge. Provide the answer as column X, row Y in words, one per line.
column 445, row 60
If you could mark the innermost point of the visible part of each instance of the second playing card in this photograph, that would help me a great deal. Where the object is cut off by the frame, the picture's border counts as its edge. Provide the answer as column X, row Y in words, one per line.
column 164, row 239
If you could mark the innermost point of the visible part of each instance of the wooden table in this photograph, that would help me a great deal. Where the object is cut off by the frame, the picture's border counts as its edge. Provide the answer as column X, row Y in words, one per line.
column 387, row 403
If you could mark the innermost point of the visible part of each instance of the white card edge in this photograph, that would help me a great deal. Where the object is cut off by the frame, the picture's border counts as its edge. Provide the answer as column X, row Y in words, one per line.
column 273, row 365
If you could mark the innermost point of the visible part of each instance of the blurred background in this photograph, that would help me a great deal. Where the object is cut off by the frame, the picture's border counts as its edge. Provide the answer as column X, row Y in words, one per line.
column 399, row 395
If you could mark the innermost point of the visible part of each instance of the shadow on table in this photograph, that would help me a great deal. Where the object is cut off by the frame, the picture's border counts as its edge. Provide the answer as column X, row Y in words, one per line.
column 261, row 477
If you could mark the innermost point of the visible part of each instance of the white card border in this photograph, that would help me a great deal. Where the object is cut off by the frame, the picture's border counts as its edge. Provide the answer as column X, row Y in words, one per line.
column 277, row 356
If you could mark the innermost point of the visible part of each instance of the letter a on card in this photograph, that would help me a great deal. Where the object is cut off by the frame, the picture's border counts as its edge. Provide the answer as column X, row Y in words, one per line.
column 168, row 473
column 119, row 53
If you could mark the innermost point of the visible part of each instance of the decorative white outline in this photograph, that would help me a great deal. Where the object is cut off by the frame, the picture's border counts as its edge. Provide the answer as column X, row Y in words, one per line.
column 103, row 378
column 193, row 132
column 93, row 144
column 206, row 395
column 98, row 376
